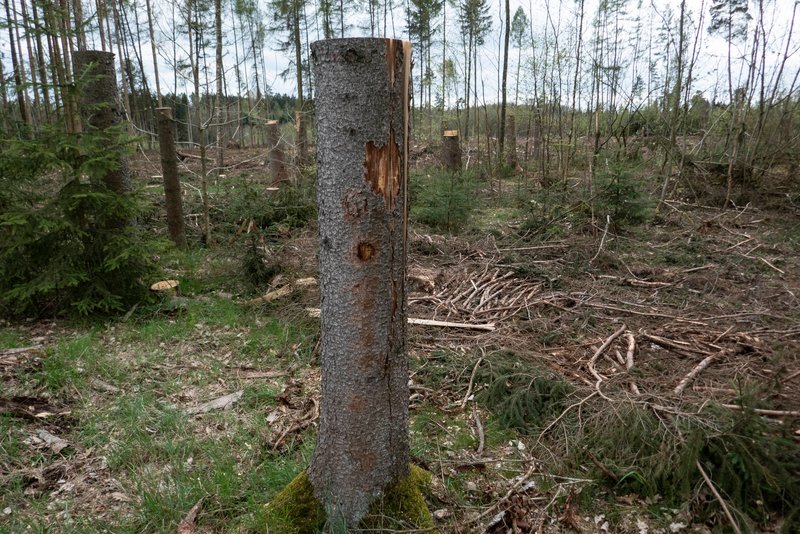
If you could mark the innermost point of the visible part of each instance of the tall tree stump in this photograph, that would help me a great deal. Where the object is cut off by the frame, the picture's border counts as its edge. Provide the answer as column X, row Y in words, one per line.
column 302, row 138
column 451, row 151
column 100, row 111
column 169, row 172
column 277, row 160
column 511, row 141
column 362, row 165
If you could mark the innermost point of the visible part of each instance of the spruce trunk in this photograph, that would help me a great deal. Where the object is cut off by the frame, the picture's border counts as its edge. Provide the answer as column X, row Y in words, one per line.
column 169, row 171
column 362, row 164
column 98, row 105
column 277, row 159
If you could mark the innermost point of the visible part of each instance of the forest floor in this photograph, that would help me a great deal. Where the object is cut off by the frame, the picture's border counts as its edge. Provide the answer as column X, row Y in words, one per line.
column 601, row 379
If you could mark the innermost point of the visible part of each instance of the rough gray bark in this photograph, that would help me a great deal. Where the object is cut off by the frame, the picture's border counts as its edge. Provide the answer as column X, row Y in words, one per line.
column 511, row 141
column 169, row 171
column 277, row 159
column 94, row 73
column 451, row 151
column 362, row 165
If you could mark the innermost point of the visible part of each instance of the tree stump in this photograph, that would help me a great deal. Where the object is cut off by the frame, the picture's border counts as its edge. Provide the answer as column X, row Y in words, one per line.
column 277, row 161
column 451, row 151
column 97, row 83
column 362, row 165
column 169, row 172
column 511, row 141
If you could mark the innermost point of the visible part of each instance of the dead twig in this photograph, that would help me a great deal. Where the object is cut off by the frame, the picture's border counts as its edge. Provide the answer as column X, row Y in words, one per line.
column 602, row 239
column 722, row 503
column 471, row 382
column 479, row 428
column 694, row 372
column 281, row 292
column 629, row 361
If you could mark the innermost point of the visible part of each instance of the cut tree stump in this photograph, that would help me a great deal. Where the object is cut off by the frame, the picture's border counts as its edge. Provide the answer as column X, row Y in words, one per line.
column 451, row 151
column 362, row 166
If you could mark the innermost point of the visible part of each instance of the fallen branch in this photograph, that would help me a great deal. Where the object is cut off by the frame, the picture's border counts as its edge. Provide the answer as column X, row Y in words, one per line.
column 694, row 372
column 719, row 497
column 479, row 427
column 629, row 361
column 281, row 292
column 602, row 239
column 600, row 351
column 762, row 411
column 488, row 327
column 471, row 382
column 216, row 404
column 770, row 265
column 676, row 346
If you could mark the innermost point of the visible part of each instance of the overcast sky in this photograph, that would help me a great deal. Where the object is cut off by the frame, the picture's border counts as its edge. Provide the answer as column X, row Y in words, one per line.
column 710, row 72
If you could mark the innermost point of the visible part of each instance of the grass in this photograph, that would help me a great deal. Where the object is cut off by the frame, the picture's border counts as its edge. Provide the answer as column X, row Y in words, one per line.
column 126, row 384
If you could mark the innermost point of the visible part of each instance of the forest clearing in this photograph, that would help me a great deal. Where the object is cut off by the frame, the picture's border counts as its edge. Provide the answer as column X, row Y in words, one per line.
column 512, row 275
column 608, row 367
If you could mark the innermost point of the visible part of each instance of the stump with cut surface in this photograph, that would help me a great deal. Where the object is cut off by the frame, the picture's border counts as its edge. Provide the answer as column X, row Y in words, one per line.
column 362, row 164
column 451, row 151
column 277, row 159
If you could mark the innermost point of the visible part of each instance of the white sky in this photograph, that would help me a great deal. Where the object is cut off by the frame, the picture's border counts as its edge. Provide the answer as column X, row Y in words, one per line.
column 710, row 72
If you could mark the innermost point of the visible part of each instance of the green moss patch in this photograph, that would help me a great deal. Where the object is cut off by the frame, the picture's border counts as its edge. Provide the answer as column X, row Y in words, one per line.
column 295, row 510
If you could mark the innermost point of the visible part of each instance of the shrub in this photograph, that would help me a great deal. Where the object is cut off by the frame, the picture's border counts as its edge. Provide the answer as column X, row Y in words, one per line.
column 443, row 200
column 620, row 196
column 62, row 246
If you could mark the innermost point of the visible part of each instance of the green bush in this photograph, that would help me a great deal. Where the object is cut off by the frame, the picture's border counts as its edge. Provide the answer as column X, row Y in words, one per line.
column 620, row 196
column 292, row 206
column 443, row 200
column 67, row 243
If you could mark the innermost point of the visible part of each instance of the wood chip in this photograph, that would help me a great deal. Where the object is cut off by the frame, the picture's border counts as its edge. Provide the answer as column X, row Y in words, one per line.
column 216, row 404
column 186, row 526
column 281, row 292
column 55, row 443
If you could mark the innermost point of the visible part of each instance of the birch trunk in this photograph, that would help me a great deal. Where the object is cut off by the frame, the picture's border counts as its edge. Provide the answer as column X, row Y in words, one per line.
column 362, row 161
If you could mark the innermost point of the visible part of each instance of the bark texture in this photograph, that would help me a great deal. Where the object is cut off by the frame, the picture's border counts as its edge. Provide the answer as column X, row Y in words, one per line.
column 277, row 159
column 169, row 170
column 362, row 165
column 511, row 140
column 451, row 151
column 94, row 72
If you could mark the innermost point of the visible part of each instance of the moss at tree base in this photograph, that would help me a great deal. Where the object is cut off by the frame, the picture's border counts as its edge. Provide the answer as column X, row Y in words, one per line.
column 295, row 510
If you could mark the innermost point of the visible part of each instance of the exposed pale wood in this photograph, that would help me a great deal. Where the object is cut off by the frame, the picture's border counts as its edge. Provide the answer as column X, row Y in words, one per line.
column 763, row 411
column 216, row 404
column 281, row 292
column 694, row 372
column 722, row 502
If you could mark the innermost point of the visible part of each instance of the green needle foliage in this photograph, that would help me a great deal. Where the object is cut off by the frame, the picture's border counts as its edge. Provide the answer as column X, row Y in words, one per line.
column 520, row 395
column 68, row 244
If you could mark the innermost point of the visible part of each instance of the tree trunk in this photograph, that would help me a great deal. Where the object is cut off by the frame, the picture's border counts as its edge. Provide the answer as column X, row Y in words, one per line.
column 511, row 137
column 362, row 163
column 302, row 139
column 19, row 70
column 277, row 161
column 451, row 151
column 506, row 37
column 220, row 75
column 98, row 105
column 169, row 171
